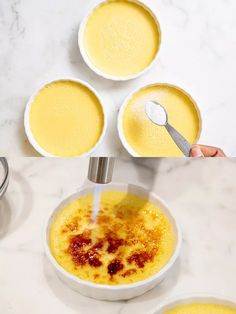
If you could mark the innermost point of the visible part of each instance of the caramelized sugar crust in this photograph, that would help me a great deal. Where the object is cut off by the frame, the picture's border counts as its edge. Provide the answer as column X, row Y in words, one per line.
column 131, row 240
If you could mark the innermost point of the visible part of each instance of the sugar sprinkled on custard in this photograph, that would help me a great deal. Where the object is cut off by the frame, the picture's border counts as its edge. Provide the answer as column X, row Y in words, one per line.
column 66, row 119
column 131, row 240
column 121, row 37
column 148, row 139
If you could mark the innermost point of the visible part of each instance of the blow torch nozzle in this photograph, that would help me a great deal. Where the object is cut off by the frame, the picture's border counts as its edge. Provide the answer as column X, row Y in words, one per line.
column 101, row 169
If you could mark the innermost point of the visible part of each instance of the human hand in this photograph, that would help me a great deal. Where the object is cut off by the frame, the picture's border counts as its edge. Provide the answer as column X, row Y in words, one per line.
column 206, row 151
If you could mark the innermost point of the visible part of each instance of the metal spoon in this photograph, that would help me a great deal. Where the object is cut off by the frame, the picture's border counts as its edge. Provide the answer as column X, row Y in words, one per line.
column 158, row 115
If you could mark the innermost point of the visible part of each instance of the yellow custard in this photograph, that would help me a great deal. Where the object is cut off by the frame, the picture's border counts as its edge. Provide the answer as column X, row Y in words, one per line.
column 121, row 38
column 201, row 309
column 132, row 239
column 150, row 140
column 66, row 119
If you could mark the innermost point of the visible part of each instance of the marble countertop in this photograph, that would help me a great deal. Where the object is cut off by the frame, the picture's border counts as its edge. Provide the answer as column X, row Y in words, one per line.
column 201, row 194
column 39, row 43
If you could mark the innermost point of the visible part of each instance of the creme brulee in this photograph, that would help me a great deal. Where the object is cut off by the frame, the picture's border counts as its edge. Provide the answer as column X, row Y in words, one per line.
column 121, row 38
column 66, row 119
column 132, row 239
column 149, row 140
column 201, row 309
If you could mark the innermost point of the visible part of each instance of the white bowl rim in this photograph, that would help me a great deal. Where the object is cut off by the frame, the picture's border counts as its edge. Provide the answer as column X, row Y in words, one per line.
column 6, row 174
column 29, row 133
column 93, row 66
column 123, row 287
column 192, row 298
column 123, row 139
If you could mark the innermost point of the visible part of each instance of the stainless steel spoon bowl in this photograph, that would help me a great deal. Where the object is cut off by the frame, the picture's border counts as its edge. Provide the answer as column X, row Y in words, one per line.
column 158, row 115
column 4, row 182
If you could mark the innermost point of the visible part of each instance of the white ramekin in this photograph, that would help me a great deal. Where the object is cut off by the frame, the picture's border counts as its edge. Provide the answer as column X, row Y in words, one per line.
column 123, row 139
column 120, row 292
column 189, row 299
column 29, row 133
column 90, row 63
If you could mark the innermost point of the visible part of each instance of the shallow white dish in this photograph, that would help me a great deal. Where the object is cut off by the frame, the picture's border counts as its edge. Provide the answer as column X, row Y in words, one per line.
column 90, row 63
column 29, row 133
column 200, row 298
column 120, row 292
column 123, row 139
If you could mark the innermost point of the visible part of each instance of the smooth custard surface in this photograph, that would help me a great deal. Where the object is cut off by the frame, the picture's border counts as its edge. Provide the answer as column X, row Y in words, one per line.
column 201, row 309
column 150, row 140
column 121, row 38
column 66, row 119
column 132, row 239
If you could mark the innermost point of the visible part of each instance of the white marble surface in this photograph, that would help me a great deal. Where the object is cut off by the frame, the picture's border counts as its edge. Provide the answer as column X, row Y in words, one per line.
column 39, row 43
column 201, row 194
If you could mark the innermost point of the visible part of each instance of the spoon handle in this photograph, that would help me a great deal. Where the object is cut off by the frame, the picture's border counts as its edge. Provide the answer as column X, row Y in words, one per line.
column 179, row 140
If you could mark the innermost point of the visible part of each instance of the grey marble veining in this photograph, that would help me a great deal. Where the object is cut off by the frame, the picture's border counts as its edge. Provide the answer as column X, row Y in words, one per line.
column 200, row 193
column 39, row 43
